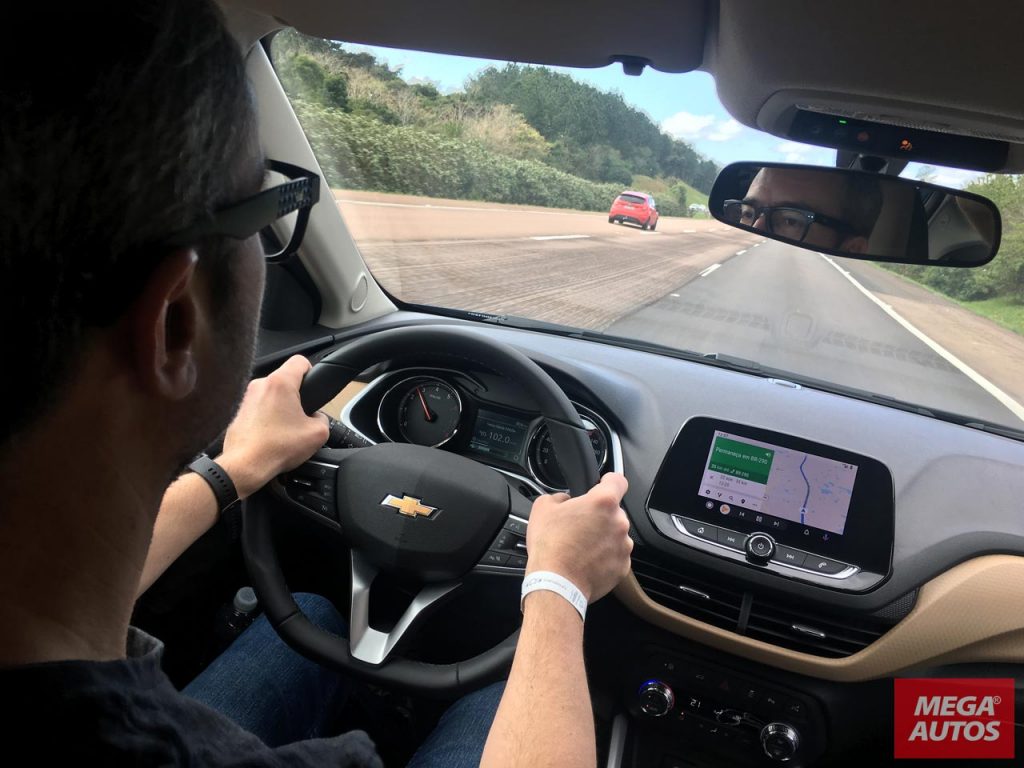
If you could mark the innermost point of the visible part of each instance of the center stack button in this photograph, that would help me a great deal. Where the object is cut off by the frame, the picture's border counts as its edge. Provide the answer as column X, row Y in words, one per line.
column 759, row 548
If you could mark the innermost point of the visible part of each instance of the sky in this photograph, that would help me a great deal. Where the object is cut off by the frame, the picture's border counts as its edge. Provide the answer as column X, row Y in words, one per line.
column 686, row 106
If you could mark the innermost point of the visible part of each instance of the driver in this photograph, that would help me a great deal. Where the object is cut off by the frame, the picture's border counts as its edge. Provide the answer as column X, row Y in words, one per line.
column 127, row 356
column 824, row 210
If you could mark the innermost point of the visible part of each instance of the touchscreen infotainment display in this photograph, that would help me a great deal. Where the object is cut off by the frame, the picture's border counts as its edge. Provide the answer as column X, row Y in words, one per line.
column 744, row 476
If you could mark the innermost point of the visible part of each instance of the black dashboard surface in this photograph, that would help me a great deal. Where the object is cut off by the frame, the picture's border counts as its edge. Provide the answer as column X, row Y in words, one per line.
column 957, row 489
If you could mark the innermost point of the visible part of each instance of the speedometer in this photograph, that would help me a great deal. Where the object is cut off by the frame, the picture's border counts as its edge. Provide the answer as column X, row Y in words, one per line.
column 542, row 454
column 429, row 412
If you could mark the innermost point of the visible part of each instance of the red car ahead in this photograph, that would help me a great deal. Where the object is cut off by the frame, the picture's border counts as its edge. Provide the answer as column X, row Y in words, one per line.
column 636, row 208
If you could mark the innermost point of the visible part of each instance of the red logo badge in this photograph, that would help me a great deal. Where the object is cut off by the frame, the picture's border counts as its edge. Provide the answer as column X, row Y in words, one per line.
column 953, row 718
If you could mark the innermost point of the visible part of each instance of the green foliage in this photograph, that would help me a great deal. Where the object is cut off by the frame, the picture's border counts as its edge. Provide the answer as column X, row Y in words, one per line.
column 1002, row 277
column 358, row 151
column 517, row 135
column 582, row 121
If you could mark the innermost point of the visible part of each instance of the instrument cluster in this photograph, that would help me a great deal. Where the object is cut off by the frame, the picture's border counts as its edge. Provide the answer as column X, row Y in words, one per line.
column 482, row 418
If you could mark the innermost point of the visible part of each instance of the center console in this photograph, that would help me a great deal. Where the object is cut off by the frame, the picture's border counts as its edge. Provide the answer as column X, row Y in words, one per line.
column 796, row 508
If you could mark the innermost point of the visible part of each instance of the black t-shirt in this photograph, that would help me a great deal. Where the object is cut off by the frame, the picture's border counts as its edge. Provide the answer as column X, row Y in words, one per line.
column 113, row 713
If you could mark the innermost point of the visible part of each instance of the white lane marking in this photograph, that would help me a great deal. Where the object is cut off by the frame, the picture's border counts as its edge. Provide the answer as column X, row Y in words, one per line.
column 755, row 245
column 740, row 253
column 347, row 201
column 709, row 270
column 1016, row 408
column 559, row 237
column 674, row 295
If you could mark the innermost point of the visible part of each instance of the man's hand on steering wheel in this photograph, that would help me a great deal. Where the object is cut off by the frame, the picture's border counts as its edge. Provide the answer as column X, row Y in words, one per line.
column 271, row 433
column 584, row 539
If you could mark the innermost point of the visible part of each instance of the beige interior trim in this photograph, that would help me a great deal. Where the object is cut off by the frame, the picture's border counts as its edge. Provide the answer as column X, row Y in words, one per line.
column 335, row 406
column 972, row 612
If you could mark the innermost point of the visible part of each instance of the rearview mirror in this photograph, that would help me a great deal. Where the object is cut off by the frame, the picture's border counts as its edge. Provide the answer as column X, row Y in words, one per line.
column 857, row 214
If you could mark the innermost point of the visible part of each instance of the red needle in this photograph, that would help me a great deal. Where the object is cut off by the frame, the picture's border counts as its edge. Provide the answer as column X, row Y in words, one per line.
column 426, row 411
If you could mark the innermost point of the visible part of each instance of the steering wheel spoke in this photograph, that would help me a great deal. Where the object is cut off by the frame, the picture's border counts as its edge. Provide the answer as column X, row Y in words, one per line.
column 372, row 646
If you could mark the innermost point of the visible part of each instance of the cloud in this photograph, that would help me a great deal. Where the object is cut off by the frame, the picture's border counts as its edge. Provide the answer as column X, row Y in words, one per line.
column 792, row 152
column 684, row 125
column 725, row 131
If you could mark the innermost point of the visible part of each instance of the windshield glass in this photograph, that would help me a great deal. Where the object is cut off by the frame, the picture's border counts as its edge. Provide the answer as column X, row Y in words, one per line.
column 499, row 188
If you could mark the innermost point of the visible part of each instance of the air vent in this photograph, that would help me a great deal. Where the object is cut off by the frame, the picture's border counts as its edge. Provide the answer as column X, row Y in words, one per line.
column 699, row 599
column 812, row 631
column 807, row 630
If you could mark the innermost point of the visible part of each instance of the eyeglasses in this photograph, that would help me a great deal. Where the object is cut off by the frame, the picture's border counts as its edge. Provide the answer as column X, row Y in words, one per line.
column 279, row 213
column 784, row 221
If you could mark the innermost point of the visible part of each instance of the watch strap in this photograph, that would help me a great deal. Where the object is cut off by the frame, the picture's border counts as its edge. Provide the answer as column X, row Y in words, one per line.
column 220, row 483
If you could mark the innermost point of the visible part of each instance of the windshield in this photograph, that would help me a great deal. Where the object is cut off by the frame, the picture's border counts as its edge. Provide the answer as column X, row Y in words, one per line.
column 499, row 188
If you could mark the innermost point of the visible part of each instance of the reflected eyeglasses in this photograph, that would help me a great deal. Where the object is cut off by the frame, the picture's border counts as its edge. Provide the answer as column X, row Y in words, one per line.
column 785, row 221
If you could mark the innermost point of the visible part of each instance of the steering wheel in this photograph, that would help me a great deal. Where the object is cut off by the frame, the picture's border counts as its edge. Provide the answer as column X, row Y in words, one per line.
column 423, row 513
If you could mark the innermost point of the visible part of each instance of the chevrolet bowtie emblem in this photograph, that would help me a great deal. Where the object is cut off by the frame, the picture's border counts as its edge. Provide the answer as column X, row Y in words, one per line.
column 409, row 506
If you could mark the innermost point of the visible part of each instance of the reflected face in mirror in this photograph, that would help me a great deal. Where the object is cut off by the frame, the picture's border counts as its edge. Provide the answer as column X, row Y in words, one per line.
column 819, row 210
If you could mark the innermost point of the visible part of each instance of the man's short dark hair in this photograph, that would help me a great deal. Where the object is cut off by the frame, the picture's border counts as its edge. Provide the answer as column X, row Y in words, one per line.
column 122, row 122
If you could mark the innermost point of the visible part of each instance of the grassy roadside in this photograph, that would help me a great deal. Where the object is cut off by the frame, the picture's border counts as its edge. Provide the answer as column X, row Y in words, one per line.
column 659, row 186
column 1001, row 310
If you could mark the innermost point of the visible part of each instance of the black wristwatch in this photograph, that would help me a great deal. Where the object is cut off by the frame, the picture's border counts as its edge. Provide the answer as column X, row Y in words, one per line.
column 218, row 480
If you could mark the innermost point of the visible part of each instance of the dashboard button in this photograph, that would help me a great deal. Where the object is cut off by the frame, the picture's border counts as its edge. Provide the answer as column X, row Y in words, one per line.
column 788, row 555
column 730, row 539
column 699, row 529
column 516, row 561
column 759, row 547
column 823, row 565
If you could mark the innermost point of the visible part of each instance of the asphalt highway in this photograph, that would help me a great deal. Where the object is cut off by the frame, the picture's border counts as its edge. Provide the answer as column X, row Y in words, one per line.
column 691, row 284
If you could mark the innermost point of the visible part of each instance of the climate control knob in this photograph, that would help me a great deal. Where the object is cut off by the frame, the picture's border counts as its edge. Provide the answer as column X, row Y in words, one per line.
column 780, row 741
column 656, row 698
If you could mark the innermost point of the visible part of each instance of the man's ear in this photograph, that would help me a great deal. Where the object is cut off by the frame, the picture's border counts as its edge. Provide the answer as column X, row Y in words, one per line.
column 165, row 319
column 858, row 244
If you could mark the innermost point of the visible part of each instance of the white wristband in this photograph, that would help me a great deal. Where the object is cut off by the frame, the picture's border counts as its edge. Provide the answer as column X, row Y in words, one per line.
column 552, row 582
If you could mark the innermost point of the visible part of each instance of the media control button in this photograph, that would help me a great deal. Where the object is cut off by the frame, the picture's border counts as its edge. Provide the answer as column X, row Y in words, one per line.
column 823, row 564
column 788, row 555
column 759, row 547
column 730, row 539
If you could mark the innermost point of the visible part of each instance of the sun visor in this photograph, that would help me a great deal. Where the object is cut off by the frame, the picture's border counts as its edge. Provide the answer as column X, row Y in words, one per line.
column 667, row 35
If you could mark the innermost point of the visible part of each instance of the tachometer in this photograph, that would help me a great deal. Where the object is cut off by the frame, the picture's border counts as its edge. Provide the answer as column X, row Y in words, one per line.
column 542, row 454
column 429, row 412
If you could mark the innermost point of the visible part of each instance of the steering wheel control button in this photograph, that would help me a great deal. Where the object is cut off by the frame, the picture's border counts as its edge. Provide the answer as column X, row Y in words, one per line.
column 759, row 548
column 780, row 741
column 788, row 556
column 494, row 558
column 656, row 698
column 516, row 526
column 510, row 542
column 730, row 539
column 823, row 565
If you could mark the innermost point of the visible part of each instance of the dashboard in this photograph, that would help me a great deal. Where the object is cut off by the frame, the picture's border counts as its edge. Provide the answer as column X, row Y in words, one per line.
column 917, row 522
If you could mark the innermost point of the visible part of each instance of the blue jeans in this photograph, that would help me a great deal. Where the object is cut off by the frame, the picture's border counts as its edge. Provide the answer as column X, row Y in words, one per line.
column 281, row 696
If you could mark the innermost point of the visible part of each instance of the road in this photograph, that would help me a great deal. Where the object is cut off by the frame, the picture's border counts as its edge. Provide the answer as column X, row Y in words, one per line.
column 695, row 285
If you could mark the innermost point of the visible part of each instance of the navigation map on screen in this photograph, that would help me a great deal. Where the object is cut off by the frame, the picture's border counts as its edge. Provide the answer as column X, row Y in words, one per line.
column 789, row 484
